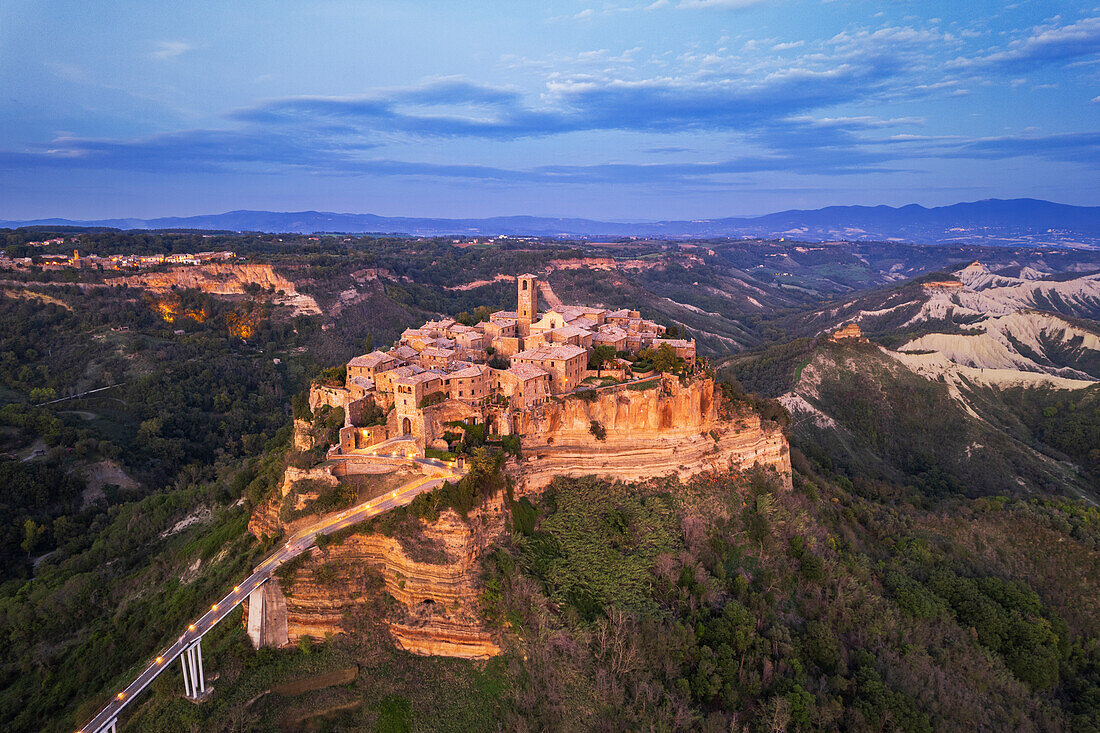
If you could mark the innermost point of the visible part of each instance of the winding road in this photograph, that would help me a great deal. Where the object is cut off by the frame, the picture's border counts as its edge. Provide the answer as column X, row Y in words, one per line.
column 298, row 543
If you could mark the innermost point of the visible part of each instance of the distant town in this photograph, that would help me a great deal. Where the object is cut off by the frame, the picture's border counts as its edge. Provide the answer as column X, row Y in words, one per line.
column 109, row 262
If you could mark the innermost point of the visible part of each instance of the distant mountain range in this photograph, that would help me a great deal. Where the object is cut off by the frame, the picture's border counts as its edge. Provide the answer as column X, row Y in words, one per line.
column 993, row 221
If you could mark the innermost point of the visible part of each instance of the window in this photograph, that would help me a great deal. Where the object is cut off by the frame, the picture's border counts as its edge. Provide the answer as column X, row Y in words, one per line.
column 524, row 284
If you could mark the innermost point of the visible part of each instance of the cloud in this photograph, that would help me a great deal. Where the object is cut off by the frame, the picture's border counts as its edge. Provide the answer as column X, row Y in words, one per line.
column 195, row 150
column 1072, row 147
column 1046, row 44
column 455, row 108
column 723, row 4
column 170, row 49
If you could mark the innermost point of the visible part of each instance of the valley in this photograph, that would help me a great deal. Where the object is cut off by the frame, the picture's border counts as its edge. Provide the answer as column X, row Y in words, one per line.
column 691, row 539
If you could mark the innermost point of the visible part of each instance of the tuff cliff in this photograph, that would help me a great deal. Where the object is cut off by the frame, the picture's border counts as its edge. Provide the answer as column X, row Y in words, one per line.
column 223, row 279
column 665, row 428
column 265, row 518
column 432, row 577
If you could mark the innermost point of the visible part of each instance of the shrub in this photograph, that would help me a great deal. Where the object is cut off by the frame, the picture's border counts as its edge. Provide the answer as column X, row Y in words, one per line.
column 432, row 399
column 598, row 430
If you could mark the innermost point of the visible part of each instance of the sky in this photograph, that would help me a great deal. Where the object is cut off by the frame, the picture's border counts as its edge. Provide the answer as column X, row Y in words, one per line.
column 624, row 110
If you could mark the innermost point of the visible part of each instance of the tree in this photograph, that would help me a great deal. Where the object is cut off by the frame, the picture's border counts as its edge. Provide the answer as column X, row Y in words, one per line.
column 666, row 360
column 32, row 533
column 601, row 354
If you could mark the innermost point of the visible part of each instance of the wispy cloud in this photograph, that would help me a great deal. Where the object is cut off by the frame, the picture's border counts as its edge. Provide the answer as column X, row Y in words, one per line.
column 1075, row 147
column 1043, row 45
column 170, row 49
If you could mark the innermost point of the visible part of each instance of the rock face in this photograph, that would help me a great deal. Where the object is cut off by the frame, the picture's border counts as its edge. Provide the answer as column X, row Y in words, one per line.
column 437, row 601
column 223, row 279
column 265, row 518
column 303, row 438
column 669, row 428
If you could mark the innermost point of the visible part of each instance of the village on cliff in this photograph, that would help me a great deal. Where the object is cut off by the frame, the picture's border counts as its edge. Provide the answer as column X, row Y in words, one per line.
column 498, row 373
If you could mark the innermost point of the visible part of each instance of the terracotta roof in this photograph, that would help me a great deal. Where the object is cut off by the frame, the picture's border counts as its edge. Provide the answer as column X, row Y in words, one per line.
column 403, row 352
column 567, row 331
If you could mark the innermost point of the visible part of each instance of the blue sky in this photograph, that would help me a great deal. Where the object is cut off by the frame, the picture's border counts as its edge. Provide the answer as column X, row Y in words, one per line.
column 626, row 110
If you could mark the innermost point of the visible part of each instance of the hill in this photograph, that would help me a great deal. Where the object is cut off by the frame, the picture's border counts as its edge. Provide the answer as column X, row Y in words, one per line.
column 994, row 221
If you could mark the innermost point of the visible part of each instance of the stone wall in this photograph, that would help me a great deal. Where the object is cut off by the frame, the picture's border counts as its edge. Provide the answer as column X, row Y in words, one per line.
column 321, row 395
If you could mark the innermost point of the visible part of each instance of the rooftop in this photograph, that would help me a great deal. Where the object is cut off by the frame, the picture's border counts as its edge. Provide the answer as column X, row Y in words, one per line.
column 413, row 379
column 557, row 352
column 527, row 371
column 470, row 371
column 404, row 352
column 571, row 330
column 370, row 360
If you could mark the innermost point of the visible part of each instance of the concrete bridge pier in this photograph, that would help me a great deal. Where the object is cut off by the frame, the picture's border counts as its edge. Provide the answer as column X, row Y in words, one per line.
column 267, row 622
column 108, row 727
column 194, row 681
column 257, row 610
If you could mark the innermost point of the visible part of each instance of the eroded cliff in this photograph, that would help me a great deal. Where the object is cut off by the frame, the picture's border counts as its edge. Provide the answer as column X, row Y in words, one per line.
column 432, row 577
column 667, row 428
column 223, row 279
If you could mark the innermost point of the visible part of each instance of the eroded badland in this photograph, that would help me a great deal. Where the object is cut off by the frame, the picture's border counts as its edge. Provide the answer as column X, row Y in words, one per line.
column 551, row 390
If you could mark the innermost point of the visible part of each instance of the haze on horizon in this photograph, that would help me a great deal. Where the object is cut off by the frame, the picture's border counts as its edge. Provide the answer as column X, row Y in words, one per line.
column 612, row 110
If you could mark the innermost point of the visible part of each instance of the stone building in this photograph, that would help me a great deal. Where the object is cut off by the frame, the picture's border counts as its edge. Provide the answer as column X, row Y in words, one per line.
column 851, row 332
column 524, row 385
column 370, row 364
column 528, row 288
column 565, row 363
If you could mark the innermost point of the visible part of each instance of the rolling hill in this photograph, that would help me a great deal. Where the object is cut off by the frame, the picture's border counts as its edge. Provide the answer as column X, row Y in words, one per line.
column 994, row 221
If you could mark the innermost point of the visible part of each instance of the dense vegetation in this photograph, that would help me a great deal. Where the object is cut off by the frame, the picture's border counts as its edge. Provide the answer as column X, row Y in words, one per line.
column 733, row 602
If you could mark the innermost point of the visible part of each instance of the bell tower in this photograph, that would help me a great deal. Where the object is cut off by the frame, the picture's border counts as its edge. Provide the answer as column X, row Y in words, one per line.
column 528, row 309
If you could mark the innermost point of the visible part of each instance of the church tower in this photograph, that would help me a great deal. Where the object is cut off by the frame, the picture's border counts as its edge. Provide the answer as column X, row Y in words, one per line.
column 528, row 310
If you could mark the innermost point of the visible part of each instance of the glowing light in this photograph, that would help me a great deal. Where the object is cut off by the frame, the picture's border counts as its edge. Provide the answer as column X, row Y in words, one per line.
column 191, row 627
column 236, row 589
column 214, row 607
column 120, row 695
column 160, row 660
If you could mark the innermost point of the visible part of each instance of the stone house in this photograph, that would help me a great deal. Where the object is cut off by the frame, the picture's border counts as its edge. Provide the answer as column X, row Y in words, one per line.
column 565, row 363
column 524, row 385
column 470, row 383
column 370, row 364
column 433, row 357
